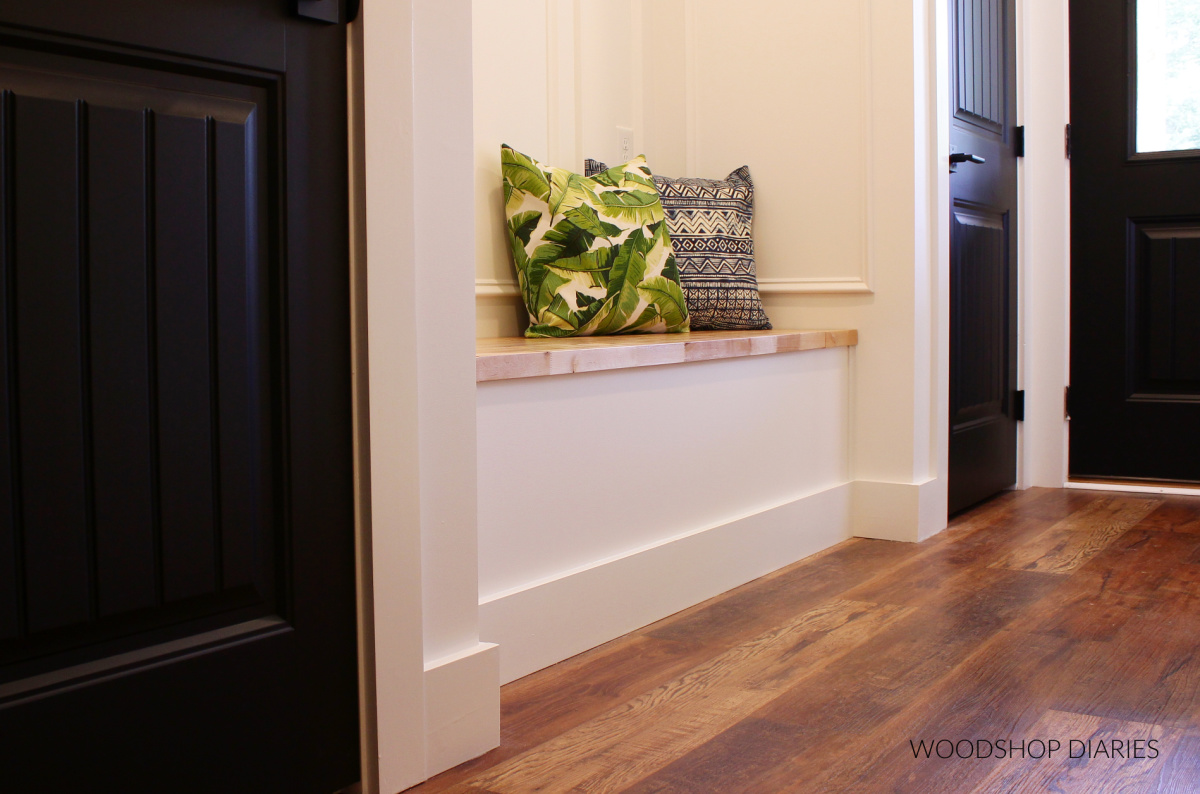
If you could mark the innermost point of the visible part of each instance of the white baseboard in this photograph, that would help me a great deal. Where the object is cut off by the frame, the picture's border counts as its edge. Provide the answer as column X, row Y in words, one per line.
column 1178, row 490
column 462, row 707
column 548, row 621
column 899, row 511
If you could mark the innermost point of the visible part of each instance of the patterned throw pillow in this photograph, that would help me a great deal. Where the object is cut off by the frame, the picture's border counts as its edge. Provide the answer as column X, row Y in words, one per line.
column 593, row 254
column 709, row 221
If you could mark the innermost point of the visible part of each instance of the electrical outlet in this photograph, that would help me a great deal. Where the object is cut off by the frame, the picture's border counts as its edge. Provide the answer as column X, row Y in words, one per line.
column 626, row 145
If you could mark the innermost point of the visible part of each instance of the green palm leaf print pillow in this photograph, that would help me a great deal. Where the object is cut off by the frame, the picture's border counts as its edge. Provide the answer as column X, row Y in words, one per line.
column 592, row 253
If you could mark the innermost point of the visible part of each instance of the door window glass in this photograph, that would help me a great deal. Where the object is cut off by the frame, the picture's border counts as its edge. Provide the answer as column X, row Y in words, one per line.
column 1168, row 75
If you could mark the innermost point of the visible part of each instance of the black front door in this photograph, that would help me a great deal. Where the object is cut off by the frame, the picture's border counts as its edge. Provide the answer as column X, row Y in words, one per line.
column 1135, row 241
column 983, row 266
column 176, row 528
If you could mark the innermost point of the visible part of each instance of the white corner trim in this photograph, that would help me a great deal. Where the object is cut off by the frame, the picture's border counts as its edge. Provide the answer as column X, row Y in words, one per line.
column 553, row 619
column 462, row 707
column 908, row 512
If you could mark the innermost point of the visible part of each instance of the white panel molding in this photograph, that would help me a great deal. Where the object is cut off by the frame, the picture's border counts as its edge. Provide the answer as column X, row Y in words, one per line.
column 498, row 288
column 866, row 273
column 547, row 621
column 833, row 285
column 863, row 280
column 503, row 288
column 691, row 88
column 562, row 82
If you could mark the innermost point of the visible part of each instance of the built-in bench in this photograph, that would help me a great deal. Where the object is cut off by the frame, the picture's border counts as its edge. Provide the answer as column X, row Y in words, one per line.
column 504, row 359
column 622, row 491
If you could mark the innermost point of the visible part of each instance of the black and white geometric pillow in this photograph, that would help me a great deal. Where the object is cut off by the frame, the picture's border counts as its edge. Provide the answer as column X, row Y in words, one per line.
column 709, row 221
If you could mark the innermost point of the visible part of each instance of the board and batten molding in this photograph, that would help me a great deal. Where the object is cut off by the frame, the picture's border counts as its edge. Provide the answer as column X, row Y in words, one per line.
column 498, row 288
column 506, row 359
column 565, row 65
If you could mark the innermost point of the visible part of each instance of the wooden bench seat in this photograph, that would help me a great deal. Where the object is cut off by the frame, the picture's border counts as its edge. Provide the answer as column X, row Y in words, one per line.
column 508, row 358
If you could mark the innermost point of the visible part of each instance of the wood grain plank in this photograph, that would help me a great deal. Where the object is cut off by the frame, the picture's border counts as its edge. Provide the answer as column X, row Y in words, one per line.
column 508, row 358
column 999, row 691
column 871, row 684
column 629, row 742
column 1175, row 514
column 1079, row 537
column 1099, row 757
column 537, row 708
column 1149, row 672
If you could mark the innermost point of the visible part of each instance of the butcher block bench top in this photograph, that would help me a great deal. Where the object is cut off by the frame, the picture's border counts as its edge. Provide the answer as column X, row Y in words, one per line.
column 508, row 358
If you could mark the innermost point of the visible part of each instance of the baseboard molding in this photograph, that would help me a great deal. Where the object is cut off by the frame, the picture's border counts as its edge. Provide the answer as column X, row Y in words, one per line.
column 907, row 512
column 1133, row 487
column 462, row 707
column 552, row 620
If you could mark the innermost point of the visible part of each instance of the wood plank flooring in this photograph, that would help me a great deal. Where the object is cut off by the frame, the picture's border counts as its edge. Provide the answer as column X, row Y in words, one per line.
column 1042, row 617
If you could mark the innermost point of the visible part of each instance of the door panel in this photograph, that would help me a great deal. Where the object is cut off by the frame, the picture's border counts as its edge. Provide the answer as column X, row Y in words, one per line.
column 176, row 524
column 982, row 264
column 1135, row 264
column 132, row 266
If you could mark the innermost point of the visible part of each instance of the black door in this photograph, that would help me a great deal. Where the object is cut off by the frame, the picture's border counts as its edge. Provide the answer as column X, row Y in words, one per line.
column 1135, row 241
column 983, row 267
column 176, row 551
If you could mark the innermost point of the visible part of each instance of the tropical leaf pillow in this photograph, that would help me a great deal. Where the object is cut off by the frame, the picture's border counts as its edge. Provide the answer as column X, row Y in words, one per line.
column 593, row 255
column 709, row 221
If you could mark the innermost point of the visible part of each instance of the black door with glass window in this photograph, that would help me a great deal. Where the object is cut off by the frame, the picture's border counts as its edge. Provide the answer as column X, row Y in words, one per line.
column 1135, row 240
column 983, row 267
column 177, row 606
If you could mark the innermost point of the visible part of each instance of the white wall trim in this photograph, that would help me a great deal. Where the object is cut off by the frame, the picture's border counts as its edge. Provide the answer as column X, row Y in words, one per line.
column 1044, row 250
column 562, row 81
column 462, row 707
column 1179, row 490
column 691, row 87
column 393, row 515
column 796, row 286
column 866, row 273
column 909, row 512
column 553, row 619
column 491, row 287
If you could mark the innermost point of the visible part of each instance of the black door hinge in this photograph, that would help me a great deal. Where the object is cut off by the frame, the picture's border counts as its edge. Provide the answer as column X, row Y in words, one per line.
column 1067, row 403
column 1019, row 141
column 1019, row 405
column 1067, row 141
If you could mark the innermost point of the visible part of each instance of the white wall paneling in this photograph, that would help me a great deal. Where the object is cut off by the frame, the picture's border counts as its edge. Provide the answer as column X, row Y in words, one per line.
column 609, row 500
column 707, row 87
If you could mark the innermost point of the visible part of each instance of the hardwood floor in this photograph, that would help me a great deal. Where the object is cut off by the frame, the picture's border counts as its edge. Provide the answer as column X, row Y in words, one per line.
column 1043, row 616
